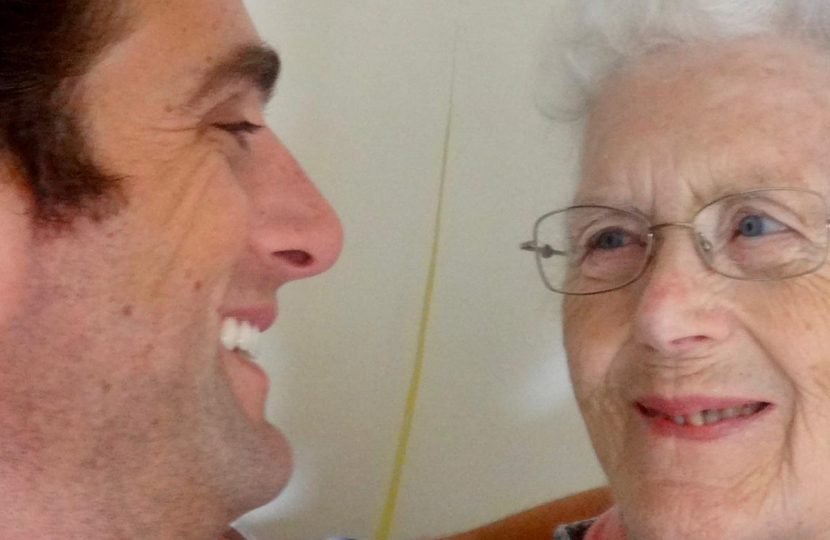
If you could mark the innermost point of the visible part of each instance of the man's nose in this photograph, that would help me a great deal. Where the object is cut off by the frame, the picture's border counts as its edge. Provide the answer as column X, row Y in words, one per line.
column 295, row 233
column 680, row 308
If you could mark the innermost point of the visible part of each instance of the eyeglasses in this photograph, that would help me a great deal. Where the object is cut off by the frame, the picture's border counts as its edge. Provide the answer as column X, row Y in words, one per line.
column 759, row 235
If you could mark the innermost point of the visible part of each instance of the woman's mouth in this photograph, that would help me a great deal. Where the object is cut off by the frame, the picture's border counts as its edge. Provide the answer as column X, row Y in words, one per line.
column 707, row 416
column 699, row 418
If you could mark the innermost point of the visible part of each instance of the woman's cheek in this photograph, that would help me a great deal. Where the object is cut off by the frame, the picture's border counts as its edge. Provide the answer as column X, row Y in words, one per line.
column 594, row 336
column 790, row 320
column 595, row 330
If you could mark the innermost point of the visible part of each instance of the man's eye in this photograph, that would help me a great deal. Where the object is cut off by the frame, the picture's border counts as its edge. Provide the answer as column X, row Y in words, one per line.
column 240, row 130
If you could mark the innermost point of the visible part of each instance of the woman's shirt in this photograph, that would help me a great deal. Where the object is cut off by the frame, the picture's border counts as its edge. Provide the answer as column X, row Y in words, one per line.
column 607, row 526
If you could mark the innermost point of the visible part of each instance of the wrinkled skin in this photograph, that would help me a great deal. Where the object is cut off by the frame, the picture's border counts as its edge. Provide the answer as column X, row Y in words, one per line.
column 667, row 135
column 120, row 415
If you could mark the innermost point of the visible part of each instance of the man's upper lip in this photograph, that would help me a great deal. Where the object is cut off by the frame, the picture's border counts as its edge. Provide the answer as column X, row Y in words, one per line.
column 261, row 316
column 683, row 405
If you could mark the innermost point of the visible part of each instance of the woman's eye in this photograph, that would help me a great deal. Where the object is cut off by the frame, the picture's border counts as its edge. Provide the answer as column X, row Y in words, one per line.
column 240, row 130
column 758, row 225
column 610, row 239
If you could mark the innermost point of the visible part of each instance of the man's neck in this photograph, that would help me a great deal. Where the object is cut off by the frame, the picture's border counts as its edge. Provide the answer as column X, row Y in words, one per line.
column 232, row 534
column 38, row 514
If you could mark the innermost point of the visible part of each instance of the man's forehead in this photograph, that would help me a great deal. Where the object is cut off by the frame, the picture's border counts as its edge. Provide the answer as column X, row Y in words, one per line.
column 216, row 41
column 181, row 53
column 257, row 65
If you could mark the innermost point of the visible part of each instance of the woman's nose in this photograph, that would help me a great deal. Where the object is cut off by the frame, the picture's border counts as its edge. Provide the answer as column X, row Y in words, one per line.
column 295, row 233
column 680, row 307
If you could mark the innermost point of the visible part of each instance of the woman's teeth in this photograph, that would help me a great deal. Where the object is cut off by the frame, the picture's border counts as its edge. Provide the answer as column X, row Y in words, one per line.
column 240, row 336
column 710, row 416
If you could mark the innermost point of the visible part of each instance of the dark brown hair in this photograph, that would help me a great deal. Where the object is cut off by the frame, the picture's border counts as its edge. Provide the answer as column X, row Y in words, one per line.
column 46, row 46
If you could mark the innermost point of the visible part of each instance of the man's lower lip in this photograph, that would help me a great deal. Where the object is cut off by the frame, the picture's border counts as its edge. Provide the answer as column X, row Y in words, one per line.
column 246, row 361
column 663, row 427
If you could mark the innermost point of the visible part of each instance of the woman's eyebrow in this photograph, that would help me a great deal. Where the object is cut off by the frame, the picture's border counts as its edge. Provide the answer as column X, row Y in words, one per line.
column 258, row 65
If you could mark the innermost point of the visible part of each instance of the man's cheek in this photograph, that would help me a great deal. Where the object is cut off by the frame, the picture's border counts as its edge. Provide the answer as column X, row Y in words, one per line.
column 203, row 224
column 14, row 262
column 15, row 249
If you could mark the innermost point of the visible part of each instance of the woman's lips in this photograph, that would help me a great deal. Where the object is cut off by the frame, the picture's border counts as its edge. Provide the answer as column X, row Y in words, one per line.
column 699, row 417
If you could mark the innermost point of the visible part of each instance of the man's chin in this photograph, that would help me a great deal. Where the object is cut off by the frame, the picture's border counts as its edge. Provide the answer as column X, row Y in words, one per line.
column 282, row 462
column 262, row 455
column 268, row 471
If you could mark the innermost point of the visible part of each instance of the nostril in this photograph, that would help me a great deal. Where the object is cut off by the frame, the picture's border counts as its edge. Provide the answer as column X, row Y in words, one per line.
column 689, row 341
column 296, row 257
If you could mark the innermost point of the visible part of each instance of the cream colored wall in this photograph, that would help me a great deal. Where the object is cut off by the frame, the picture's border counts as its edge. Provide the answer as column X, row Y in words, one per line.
column 364, row 103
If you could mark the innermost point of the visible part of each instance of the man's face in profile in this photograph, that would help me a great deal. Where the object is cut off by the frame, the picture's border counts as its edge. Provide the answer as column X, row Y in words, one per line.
column 116, row 380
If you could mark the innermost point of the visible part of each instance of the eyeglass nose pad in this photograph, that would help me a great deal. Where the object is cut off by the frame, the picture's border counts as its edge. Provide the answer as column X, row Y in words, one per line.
column 705, row 246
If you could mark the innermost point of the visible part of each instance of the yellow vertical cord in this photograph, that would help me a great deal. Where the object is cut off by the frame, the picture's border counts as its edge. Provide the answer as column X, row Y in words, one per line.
column 384, row 527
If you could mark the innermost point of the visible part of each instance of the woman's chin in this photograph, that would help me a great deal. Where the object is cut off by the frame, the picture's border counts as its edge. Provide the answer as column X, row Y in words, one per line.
column 659, row 512
column 678, row 520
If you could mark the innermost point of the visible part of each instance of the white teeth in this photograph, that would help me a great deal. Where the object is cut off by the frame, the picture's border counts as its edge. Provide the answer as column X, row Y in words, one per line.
column 230, row 331
column 696, row 419
column 242, row 336
column 712, row 416
column 731, row 412
column 246, row 334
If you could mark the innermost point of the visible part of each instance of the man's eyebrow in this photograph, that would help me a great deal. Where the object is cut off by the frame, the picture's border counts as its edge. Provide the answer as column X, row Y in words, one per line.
column 257, row 64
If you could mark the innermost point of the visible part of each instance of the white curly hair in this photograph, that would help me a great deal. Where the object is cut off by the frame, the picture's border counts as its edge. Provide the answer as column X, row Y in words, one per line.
column 607, row 34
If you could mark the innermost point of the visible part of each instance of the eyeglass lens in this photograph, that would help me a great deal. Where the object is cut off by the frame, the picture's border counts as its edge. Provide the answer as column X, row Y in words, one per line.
column 758, row 235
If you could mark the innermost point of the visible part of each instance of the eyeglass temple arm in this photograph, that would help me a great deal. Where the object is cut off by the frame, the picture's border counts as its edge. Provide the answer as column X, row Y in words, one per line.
column 546, row 252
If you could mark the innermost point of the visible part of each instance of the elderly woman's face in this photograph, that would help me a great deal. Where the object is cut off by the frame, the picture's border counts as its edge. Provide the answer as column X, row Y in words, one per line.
column 708, row 398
